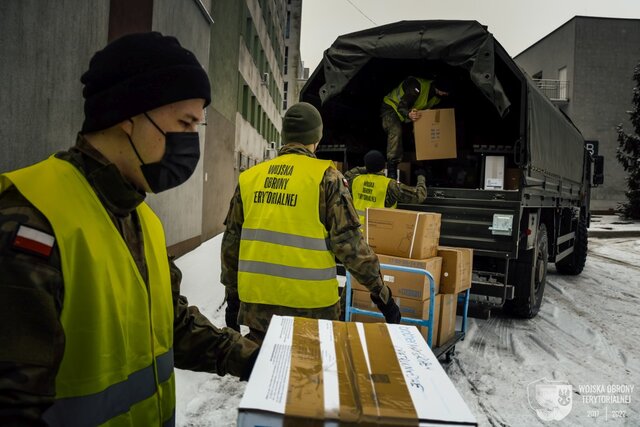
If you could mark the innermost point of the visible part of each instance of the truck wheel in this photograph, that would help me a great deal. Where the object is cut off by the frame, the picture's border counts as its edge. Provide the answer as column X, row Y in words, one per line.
column 531, row 279
column 573, row 264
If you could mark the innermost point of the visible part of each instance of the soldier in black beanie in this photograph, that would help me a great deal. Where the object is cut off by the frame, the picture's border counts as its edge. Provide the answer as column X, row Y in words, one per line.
column 381, row 191
column 94, row 321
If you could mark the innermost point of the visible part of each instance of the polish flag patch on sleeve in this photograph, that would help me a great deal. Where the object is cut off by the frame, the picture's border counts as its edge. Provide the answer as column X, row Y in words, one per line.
column 35, row 241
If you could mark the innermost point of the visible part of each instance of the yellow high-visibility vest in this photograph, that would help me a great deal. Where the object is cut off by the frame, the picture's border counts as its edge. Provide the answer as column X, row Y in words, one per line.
column 369, row 191
column 117, row 367
column 284, row 251
column 422, row 103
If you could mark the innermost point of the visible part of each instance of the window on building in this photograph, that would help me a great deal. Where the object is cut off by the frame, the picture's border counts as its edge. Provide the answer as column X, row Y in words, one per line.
column 248, row 30
column 287, row 25
column 245, row 101
column 562, row 83
column 286, row 59
column 253, row 110
column 284, row 96
column 256, row 48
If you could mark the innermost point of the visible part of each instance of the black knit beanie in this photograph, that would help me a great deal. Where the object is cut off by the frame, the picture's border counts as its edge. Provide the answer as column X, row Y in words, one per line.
column 302, row 123
column 374, row 161
column 137, row 73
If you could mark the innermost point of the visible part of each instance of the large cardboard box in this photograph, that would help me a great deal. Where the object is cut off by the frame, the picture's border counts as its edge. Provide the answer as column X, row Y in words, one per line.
column 447, row 320
column 512, row 178
column 435, row 134
column 337, row 373
column 456, row 271
column 402, row 233
column 408, row 308
column 405, row 284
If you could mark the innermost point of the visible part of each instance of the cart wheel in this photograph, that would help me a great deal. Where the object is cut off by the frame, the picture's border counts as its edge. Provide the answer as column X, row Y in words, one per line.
column 450, row 354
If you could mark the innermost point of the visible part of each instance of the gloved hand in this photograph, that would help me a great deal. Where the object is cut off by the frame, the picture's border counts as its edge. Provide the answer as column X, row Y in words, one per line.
column 390, row 310
column 231, row 312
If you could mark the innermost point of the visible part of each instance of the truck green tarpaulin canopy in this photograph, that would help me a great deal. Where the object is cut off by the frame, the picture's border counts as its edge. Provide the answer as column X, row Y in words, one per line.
column 360, row 68
column 464, row 44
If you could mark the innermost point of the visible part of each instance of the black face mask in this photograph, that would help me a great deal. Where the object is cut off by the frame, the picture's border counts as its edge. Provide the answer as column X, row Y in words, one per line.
column 181, row 155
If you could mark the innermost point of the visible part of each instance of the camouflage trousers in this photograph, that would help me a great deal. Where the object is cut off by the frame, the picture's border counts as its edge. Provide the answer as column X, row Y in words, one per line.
column 258, row 316
column 393, row 127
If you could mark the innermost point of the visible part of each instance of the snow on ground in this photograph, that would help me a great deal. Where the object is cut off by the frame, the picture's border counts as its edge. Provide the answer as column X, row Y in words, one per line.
column 587, row 334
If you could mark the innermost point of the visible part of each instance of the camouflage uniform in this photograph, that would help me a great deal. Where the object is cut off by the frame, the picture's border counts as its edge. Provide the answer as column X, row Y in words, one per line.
column 32, row 290
column 341, row 221
column 396, row 192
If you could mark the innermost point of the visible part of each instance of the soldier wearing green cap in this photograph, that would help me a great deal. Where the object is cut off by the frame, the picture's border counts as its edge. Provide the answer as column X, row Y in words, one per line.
column 289, row 219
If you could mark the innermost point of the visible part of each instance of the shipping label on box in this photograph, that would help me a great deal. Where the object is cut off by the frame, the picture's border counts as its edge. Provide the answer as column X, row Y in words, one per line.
column 435, row 134
column 402, row 233
column 408, row 284
column 494, row 173
column 456, row 270
column 337, row 372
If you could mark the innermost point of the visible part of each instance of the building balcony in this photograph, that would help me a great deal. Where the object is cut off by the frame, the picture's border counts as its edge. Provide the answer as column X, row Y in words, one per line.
column 555, row 90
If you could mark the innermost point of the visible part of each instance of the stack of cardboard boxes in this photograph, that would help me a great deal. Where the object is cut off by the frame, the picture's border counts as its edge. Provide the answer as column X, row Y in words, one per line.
column 410, row 239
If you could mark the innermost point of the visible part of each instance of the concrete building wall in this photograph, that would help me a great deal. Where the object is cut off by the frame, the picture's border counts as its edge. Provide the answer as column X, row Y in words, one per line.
column 186, row 201
column 600, row 54
column 218, row 157
column 607, row 50
column 294, row 66
column 548, row 55
column 236, row 142
column 44, row 49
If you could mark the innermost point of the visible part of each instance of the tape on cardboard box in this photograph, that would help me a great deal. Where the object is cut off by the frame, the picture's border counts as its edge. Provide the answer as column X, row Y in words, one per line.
column 356, row 373
column 402, row 233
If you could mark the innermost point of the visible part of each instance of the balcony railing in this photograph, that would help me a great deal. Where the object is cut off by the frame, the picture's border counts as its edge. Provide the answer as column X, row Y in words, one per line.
column 555, row 90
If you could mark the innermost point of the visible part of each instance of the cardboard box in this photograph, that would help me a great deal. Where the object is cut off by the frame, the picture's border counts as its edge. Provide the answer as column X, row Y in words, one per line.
column 447, row 321
column 512, row 178
column 408, row 308
column 405, row 284
column 435, row 134
column 494, row 173
column 456, row 270
column 337, row 373
column 402, row 233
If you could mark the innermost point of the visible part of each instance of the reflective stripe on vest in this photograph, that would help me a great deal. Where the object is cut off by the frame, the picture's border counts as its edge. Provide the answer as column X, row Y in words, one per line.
column 118, row 330
column 369, row 191
column 99, row 408
column 422, row 103
column 284, row 254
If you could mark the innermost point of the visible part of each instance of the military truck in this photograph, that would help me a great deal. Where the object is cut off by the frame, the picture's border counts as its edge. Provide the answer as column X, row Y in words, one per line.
column 499, row 111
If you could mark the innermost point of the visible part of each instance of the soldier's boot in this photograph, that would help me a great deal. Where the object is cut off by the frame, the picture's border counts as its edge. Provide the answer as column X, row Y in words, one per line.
column 392, row 170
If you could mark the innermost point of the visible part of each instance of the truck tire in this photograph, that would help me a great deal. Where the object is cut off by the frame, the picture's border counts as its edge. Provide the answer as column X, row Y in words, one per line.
column 573, row 264
column 531, row 279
